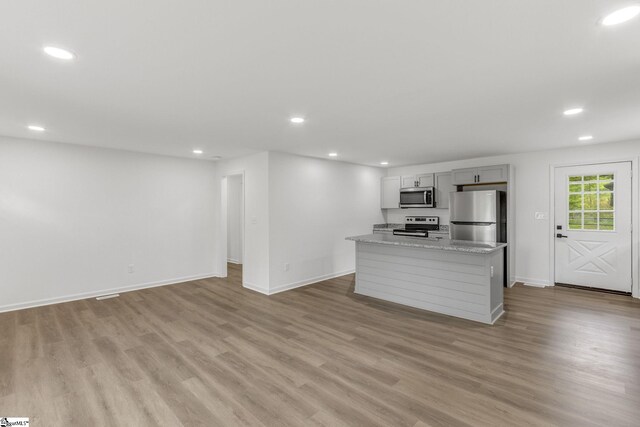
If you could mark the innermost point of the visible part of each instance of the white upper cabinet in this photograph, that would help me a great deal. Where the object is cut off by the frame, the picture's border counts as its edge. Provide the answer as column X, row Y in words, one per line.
column 390, row 192
column 425, row 180
column 489, row 174
column 409, row 181
column 443, row 188
column 464, row 176
column 482, row 175
column 422, row 180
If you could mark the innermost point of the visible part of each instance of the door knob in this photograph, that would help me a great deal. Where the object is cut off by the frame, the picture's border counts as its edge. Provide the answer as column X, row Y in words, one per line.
column 559, row 235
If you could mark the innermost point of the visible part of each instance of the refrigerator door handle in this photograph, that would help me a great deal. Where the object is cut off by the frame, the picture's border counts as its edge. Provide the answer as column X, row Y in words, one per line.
column 485, row 223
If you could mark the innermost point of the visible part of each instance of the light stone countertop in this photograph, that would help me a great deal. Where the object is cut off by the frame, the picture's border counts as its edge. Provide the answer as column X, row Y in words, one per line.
column 429, row 243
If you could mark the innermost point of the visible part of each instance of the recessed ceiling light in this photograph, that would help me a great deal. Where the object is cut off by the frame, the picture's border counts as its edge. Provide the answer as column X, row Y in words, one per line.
column 621, row 15
column 197, row 151
column 384, row 163
column 297, row 120
column 36, row 128
column 585, row 138
column 333, row 154
column 59, row 53
column 573, row 111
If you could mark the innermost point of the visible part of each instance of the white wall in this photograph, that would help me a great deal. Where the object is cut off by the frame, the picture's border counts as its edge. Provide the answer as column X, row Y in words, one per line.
column 313, row 205
column 235, row 218
column 532, row 184
column 73, row 218
column 256, row 210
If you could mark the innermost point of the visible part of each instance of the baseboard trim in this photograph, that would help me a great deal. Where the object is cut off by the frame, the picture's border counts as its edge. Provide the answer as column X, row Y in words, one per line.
column 310, row 281
column 93, row 294
column 255, row 288
column 500, row 310
column 294, row 285
column 538, row 283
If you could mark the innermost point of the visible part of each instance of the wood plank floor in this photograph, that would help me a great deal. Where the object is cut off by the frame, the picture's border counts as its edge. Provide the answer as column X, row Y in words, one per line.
column 210, row 353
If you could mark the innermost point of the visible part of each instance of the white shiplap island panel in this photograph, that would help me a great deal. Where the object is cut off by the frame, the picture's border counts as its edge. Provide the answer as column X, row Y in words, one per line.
column 461, row 283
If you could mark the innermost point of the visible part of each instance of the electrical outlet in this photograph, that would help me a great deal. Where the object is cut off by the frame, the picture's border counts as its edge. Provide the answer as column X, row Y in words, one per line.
column 131, row 268
column 492, row 271
column 286, row 266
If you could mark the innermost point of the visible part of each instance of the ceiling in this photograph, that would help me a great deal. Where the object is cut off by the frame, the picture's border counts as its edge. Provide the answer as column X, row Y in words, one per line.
column 404, row 81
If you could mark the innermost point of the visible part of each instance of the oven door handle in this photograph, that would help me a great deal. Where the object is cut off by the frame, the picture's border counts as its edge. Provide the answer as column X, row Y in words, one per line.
column 409, row 234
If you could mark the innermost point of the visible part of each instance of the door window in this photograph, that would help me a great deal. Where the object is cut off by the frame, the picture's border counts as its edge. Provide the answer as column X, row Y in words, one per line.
column 591, row 202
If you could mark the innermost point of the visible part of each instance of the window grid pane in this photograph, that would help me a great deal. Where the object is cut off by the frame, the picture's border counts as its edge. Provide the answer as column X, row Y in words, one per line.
column 590, row 202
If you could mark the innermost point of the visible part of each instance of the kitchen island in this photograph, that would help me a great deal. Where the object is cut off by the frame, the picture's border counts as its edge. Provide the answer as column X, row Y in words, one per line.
column 458, row 278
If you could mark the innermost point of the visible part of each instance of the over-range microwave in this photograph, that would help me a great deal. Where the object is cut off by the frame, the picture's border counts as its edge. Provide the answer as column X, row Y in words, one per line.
column 418, row 197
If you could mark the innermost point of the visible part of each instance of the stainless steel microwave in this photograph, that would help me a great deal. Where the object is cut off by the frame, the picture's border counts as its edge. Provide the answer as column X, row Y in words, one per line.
column 418, row 197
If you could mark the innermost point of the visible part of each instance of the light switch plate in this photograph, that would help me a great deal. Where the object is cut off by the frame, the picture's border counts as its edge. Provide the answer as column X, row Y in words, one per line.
column 542, row 216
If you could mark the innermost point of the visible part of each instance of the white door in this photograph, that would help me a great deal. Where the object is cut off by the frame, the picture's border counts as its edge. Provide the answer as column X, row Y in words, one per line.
column 593, row 226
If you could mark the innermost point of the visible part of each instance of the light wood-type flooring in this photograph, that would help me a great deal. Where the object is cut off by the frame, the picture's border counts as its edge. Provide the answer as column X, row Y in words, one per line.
column 211, row 353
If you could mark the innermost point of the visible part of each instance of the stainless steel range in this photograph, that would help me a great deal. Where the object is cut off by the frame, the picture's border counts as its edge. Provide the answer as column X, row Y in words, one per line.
column 418, row 226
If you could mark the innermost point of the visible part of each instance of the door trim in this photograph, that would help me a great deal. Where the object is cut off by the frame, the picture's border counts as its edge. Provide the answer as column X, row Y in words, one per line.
column 635, row 218
column 221, row 260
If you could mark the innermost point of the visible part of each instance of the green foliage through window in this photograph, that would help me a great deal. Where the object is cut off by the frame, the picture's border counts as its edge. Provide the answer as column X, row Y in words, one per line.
column 591, row 202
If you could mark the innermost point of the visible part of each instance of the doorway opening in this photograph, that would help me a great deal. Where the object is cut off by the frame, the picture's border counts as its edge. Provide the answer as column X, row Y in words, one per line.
column 592, row 228
column 233, row 226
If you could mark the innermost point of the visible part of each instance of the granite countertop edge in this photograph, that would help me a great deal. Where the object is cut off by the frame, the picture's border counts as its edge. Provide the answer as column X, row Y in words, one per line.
column 441, row 244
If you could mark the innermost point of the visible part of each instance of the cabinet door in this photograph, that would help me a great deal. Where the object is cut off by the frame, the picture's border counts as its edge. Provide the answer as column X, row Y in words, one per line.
column 425, row 180
column 408, row 181
column 390, row 192
column 443, row 188
column 497, row 173
column 464, row 176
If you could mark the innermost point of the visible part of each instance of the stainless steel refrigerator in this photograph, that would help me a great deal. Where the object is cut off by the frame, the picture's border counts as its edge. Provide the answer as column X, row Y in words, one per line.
column 480, row 216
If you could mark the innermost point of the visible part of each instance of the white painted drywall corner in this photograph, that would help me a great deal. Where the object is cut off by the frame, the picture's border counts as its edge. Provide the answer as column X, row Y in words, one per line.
column 313, row 205
column 255, row 168
column 79, row 221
